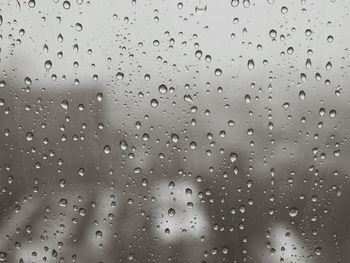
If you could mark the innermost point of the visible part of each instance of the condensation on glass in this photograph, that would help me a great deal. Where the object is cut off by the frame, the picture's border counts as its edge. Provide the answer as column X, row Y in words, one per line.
column 174, row 131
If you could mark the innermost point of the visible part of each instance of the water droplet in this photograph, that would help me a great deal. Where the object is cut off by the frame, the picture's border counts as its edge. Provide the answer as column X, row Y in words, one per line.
column 99, row 97
column 188, row 191
column 171, row 212
column 174, row 137
column 193, row 145
column 246, row 3
column 64, row 104
column 29, row 136
column 31, row 3
column 339, row 191
column 62, row 183
column 107, row 149
column 63, row 202
column 308, row 64
column 318, row 251
column 99, row 234
column 120, row 76
column 66, row 5
column 234, row 3
column 273, row 33
column 123, row 145
column 138, row 125
column 233, row 157
column 27, row 81
column 329, row 65
column 290, row 50
column 3, row 256
column 208, row 58
column 188, row 98
column 198, row 54
column 82, row 211
column 78, row 27
column 284, row 10
column 330, row 39
column 250, row 64
column 156, row 43
column 163, row 89
column 2, row 83
column 48, row 64
column 154, row 103
column 145, row 137
column 137, row 170
column 308, row 32
column 336, row 153
column 293, row 212
column 218, row 72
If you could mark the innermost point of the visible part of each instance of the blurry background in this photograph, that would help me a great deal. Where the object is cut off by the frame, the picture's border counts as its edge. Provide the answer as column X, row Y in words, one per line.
column 174, row 131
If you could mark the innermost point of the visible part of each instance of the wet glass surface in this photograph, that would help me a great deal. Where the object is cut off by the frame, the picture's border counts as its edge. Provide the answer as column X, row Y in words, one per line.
column 168, row 131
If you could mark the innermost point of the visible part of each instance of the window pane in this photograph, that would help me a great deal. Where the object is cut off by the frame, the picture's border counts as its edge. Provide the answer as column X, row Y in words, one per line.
column 174, row 131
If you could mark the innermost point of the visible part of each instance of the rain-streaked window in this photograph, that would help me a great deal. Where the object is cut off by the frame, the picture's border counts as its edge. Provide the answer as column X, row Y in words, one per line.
column 174, row 131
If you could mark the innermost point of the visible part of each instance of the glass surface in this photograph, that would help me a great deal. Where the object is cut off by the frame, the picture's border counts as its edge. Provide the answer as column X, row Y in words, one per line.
column 168, row 131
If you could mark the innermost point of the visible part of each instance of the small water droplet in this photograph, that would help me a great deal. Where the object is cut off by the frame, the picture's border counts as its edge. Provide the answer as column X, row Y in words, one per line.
column 2, row 83
column 99, row 97
column 171, row 212
column 233, row 157
column 174, row 137
column 250, row 64
column 31, row 3
column 234, row 3
column 273, row 33
column 163, row 89
column 198, row 54
column 27, row 81
column 330, row 39
column 99, row 234
column 318, row 251
column 123, row 145
column 188, row 98
column 107, row 149
column 78, row 27
column 3, row 256
column 284, row 10
column 66, row 5
column 64, row 104
column 154, row 103
column 218, row 72
column 29, row 136
column 145, row 137
column 246, row 3
column 120, row 75
column 293, row 212
column 329, row 65
column 63, row 202
column 48, row 64
column 308, row 64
